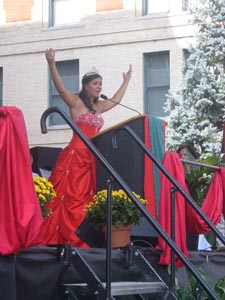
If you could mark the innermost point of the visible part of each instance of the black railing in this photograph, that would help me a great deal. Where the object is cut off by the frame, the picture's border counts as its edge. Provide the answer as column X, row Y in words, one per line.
column 127, row 189
column 173, row 180
column 176, row 187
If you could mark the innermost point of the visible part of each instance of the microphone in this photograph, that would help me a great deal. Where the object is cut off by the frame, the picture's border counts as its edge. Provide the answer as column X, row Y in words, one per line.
column 106, row 98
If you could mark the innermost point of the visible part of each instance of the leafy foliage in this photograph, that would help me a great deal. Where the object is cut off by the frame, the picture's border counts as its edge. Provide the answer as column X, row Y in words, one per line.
column 196, row 108
column 195, row 291
column 124, row 212
column 198, row 179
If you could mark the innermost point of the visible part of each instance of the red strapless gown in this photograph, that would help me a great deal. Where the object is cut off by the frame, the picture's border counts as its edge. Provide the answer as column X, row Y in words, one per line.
column 74, row 181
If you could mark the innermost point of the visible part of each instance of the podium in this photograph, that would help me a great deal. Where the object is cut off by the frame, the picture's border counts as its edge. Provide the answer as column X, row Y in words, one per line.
column 127, row 159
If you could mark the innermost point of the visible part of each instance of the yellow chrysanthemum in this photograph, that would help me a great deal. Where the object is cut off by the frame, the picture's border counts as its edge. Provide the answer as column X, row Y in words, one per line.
column 45, row 192
column 123, row 209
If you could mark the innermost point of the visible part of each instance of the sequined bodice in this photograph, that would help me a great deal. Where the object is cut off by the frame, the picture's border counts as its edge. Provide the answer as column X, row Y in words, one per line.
column 91, row 119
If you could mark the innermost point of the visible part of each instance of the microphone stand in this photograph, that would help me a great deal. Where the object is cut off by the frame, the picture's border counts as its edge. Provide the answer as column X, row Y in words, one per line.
column 106, row 98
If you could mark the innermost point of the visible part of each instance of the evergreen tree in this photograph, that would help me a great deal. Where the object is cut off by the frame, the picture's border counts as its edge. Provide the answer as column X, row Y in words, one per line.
column 197, row 108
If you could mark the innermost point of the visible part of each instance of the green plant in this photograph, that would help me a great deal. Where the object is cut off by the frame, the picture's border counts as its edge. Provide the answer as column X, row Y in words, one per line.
column 124, row 212
column 199, row 178
column 194, row 289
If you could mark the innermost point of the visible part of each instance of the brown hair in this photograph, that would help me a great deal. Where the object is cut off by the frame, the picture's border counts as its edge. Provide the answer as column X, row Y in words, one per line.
column 83, row 93
column 190, row 148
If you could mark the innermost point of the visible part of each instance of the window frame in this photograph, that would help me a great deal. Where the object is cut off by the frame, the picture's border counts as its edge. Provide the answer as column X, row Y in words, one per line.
column 52, row 15
column 146, row 12
column 54, row 96
column 186, row 4
column 154, row 87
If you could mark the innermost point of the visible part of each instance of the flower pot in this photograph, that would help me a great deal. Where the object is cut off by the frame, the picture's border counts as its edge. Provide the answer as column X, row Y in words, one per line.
column 120, row 236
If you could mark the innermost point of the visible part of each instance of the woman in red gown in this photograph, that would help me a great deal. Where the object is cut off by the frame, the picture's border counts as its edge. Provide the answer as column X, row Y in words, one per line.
column 74, row 177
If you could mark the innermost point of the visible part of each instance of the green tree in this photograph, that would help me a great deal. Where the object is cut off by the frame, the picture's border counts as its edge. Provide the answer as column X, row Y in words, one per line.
column 197, row 107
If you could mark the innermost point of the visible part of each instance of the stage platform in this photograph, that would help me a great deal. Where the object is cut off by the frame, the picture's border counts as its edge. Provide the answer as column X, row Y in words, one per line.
column 37, row 273
column 212, row 262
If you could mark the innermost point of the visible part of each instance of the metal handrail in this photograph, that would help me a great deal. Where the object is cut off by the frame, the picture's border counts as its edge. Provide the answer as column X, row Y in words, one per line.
column 127, row 189
column 196, row 163
column 173, row 181
column 178, row 188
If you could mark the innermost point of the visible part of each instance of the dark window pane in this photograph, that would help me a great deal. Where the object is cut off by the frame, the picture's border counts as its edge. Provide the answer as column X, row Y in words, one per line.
column 157, row 82
column 69, row 73
column 156, row 101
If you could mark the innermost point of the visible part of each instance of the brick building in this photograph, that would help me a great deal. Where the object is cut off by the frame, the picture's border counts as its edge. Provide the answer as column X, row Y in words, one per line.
column 108, row 34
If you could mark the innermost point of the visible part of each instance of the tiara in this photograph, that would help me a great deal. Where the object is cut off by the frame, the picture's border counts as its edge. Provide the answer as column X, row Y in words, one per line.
column 92, row 71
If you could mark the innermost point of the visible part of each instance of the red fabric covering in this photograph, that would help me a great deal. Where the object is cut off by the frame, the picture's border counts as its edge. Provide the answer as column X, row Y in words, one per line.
column 186, row 217
column 20, row 215
column 173, row 164
column 212, row 206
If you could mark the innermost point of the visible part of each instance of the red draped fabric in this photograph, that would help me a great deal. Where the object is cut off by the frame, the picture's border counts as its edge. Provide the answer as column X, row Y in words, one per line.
column 212, row 205
column 20, row 215
column 185, row 216
column 173, row 164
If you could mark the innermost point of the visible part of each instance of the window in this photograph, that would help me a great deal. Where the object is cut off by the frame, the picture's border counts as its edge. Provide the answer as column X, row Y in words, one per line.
column 1, row 86
column 155, row 6
column 157, row 82
column 64, row 12
column 69, row 72
column 186, row 54
column 187, row 4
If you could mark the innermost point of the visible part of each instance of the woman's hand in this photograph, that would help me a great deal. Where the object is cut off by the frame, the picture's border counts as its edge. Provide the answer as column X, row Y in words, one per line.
column 127, row 75
column 50, row 56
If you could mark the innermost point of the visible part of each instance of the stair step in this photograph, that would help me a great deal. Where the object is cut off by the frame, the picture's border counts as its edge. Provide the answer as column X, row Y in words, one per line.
column 130, row 288
column 127, row 287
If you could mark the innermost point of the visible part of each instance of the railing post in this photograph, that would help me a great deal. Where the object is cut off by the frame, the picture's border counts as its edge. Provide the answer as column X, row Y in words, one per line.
column 173, row 222
column 109, row 239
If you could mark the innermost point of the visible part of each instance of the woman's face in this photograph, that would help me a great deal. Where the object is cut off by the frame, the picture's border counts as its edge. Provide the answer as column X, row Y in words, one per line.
column 183, row 153
column 94, row 88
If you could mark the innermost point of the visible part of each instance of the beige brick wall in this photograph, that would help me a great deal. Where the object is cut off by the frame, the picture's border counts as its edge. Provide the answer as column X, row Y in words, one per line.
column 108, row 40
column 17, row 11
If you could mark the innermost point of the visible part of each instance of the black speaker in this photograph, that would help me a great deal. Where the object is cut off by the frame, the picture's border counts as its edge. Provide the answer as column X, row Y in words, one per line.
column 90, row 236
column 44, row 158
column 144, row 232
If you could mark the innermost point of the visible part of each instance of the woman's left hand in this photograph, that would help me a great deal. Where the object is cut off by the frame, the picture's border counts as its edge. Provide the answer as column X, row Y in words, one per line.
column 127, row 75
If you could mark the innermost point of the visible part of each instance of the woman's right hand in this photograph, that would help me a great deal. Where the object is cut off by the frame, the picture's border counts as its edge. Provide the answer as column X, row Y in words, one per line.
column 50, row 56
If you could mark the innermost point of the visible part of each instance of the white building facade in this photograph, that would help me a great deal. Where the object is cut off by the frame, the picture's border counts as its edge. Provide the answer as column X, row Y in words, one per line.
column 151, row 35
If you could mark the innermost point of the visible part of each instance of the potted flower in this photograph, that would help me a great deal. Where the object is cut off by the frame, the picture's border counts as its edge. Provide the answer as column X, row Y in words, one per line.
column 124, row 211
column 45, row 192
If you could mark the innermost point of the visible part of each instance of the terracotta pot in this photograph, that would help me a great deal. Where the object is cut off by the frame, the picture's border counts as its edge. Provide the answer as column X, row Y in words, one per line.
column 120, row 236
